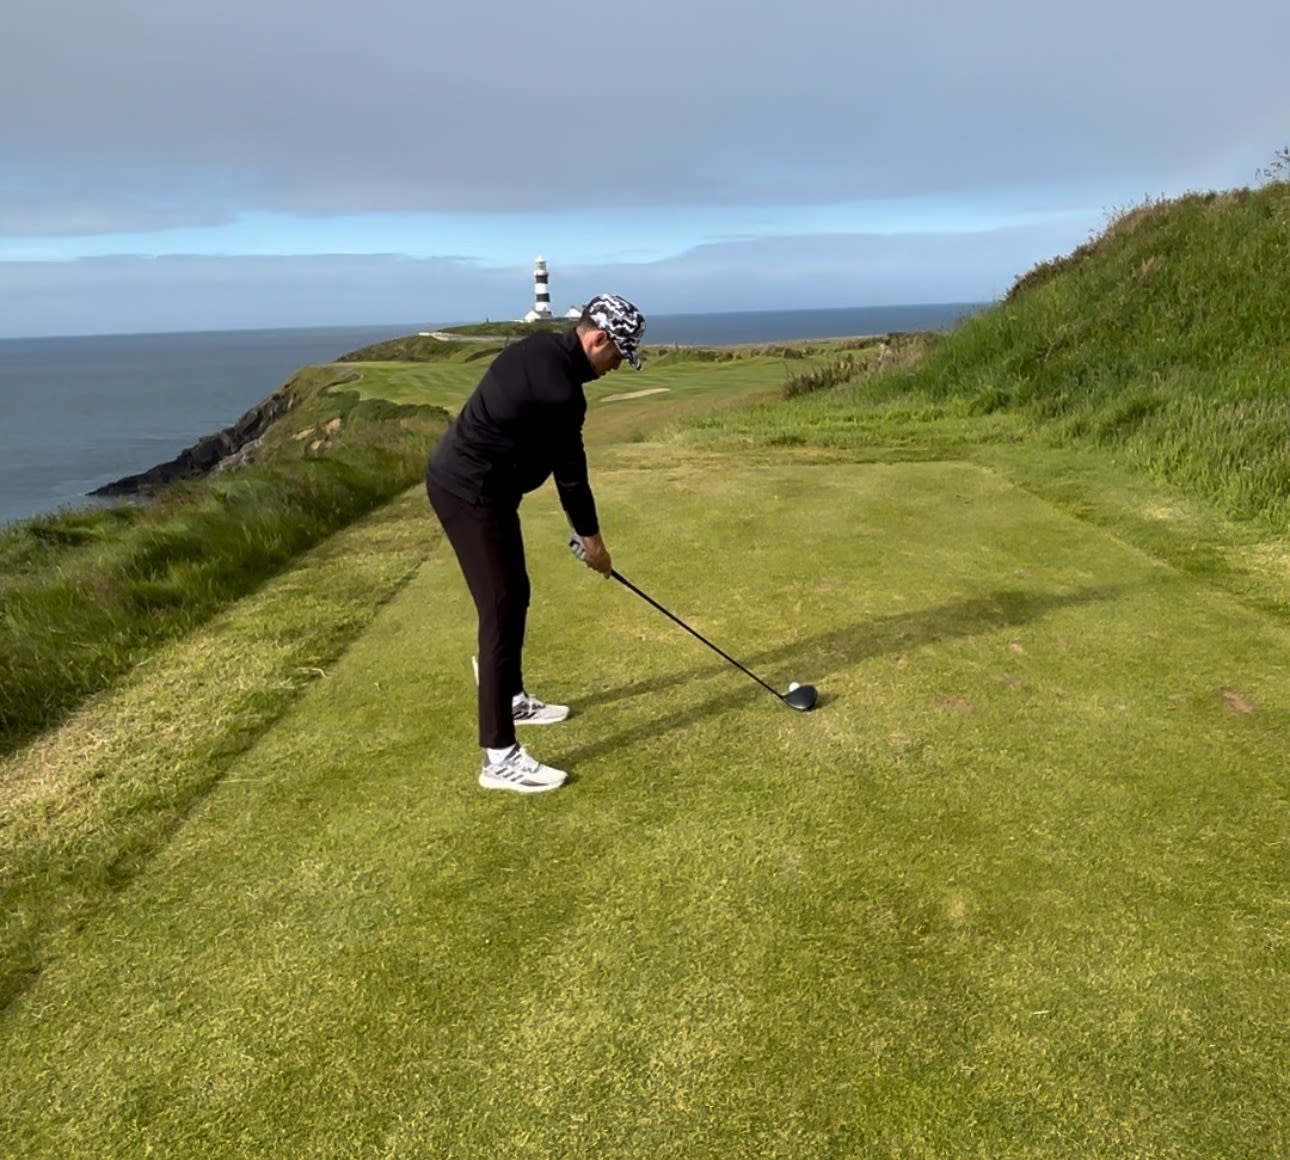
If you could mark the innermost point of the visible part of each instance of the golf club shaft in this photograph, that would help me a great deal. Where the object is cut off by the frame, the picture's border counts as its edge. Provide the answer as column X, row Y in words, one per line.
column 649, row 599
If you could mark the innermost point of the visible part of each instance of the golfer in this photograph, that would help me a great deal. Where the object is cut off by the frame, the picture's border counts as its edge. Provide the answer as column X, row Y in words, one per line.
column 522, row 424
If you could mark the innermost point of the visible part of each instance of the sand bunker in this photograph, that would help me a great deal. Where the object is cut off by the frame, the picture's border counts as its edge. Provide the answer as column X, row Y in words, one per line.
column 634, row 394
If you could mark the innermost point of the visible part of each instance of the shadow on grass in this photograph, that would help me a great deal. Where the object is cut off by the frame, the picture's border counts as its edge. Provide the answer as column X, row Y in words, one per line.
column 815, row 658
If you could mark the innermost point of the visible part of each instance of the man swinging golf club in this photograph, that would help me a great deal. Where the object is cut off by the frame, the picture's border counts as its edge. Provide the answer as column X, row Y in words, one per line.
column 522, row 424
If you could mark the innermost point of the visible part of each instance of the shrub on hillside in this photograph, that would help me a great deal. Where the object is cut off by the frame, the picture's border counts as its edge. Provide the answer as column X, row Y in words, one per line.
column 831, row 374
column 415, row 348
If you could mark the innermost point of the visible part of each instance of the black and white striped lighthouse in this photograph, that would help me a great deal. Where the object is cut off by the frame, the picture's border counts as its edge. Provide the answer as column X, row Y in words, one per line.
column 541, row 289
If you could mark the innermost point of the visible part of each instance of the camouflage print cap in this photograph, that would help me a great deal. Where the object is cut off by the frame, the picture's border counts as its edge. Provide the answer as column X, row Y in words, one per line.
column 619, row 319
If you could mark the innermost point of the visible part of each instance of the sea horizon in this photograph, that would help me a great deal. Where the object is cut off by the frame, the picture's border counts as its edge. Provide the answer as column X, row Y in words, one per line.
column 85, row 410
column 411, row 327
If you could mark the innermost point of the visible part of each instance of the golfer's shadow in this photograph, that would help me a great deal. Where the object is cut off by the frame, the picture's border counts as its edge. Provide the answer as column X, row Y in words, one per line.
column 815, row 658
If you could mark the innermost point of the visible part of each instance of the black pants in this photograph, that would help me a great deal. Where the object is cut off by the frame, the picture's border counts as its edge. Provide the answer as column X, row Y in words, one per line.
column 490, row 550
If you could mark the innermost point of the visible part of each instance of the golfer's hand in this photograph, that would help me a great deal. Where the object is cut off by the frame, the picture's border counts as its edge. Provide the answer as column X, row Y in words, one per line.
column 591, row 551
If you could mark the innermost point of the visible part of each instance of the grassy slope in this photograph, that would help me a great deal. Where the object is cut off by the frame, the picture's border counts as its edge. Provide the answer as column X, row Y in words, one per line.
column 89, row 595
column 1014, row 890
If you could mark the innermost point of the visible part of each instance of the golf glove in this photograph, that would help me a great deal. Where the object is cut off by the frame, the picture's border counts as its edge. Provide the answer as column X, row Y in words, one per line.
column 575, row 546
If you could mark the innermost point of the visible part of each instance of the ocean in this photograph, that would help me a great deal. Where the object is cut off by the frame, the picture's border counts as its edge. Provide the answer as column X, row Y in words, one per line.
column 80, row 412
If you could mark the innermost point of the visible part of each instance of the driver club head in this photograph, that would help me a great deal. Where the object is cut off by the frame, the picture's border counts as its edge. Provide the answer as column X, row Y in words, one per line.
column 801, row 697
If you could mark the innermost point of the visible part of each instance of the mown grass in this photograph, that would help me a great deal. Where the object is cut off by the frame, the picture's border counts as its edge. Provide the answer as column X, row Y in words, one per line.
column 86, row 806
column 95, row 600
column 1012, row 890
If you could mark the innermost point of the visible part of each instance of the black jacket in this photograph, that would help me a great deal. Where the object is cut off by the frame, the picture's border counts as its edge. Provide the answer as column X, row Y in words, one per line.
column 523, row 423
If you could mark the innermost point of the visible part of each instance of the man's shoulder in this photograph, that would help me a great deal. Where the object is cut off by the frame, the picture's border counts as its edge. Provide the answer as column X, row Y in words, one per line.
column 549, row 343
column 541, row 348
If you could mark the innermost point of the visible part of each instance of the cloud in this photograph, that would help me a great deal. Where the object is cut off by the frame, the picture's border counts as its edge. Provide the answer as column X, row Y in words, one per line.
column 187, row 292
column 55, row 212
column 833, row 153
column 136, row 115
column 125, row 293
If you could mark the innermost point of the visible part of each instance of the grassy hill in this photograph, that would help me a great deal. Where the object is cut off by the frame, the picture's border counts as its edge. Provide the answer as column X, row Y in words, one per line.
column 1164, row 342
column 1167, row 342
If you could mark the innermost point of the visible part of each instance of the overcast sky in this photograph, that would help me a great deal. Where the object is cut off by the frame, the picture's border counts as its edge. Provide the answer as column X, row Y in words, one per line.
column 168, row 164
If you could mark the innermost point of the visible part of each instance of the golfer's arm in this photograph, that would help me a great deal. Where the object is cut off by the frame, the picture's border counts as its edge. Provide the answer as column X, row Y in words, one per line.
column 575, row 488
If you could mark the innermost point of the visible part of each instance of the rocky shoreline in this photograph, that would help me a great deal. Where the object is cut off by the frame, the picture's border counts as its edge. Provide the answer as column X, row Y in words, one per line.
column 210, row 453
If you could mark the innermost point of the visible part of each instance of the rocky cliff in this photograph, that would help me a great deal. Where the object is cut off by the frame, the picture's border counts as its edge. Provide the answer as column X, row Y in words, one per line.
column 209, row 452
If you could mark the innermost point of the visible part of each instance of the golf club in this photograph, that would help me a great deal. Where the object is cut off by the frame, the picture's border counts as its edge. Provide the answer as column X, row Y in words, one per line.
column 801, row 697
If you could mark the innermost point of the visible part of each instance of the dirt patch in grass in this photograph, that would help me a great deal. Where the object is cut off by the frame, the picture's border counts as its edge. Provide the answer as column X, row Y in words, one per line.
column 1237, row 703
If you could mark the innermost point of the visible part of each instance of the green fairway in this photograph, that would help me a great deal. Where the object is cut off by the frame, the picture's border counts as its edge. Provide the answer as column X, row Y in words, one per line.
column 1016, row 888
column 446, row 384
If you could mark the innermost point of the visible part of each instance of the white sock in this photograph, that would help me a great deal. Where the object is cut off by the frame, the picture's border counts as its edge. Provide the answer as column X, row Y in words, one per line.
column 496, row 755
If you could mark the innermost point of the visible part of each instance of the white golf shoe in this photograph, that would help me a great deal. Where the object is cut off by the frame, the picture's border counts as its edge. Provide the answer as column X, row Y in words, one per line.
column 530, row 711
column 520, row 773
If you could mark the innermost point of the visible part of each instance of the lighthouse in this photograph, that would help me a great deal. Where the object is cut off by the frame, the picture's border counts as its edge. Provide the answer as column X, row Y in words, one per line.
column 541, row 292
